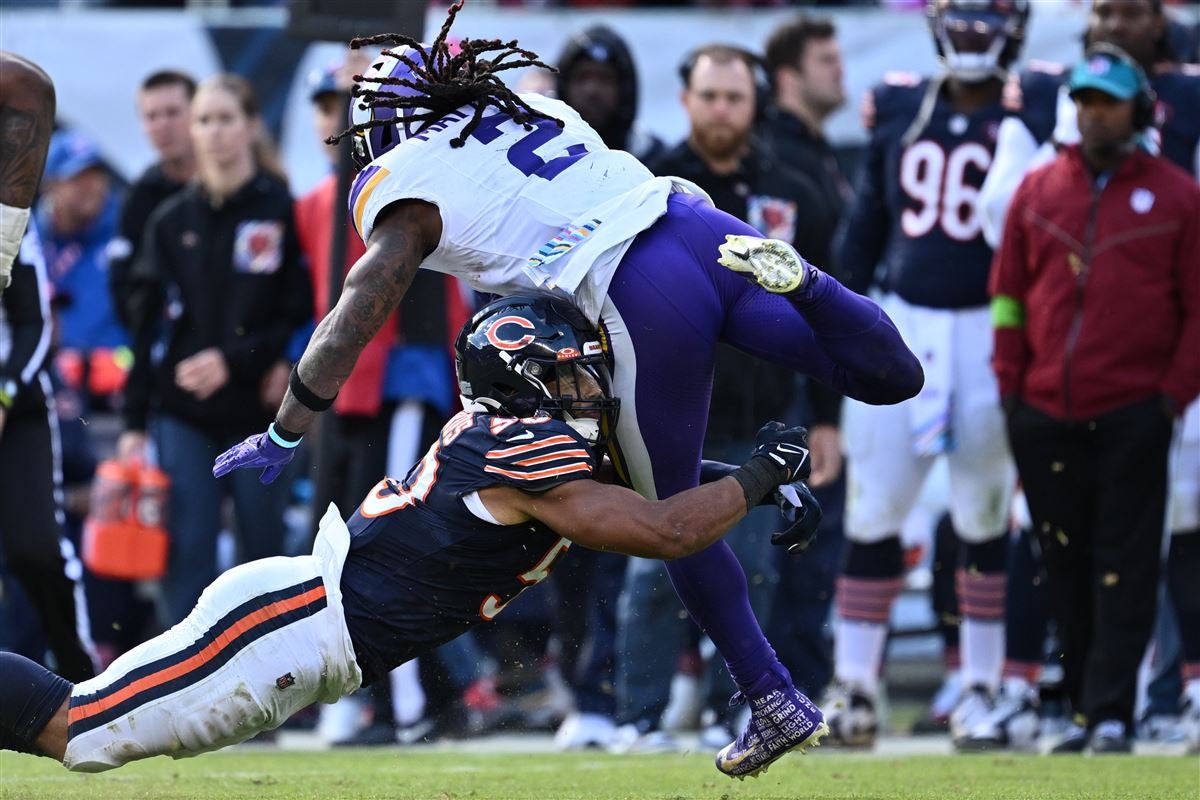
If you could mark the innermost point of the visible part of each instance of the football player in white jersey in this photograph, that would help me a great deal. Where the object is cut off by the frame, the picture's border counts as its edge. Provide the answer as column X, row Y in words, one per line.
column 513, row 193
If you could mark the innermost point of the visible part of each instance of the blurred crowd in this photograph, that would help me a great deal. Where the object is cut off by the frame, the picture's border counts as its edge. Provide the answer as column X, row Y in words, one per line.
column 209, row 240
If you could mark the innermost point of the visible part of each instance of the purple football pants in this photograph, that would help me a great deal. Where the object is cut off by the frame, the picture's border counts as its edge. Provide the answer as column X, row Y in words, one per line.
column 668, row 305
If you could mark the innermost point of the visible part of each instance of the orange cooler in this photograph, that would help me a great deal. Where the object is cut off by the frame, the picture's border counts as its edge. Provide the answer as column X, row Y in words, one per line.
column 124, row 536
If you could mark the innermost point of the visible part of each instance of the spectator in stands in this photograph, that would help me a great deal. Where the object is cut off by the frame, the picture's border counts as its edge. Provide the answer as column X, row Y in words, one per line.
column 597, row 78
column 215, row 295
column 1093, row 381
column 164, row 107
column 77, row 216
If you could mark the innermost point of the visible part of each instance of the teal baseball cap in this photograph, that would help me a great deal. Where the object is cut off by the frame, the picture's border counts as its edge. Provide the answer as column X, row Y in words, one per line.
column 1110, row 71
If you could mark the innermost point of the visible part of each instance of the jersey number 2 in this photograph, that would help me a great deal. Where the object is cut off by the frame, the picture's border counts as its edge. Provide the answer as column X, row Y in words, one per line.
column 521, row 155
column 939, row 183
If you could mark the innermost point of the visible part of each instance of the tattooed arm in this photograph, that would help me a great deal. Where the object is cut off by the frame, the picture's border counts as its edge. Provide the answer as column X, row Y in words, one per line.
column 405, row 234
column 26, row 121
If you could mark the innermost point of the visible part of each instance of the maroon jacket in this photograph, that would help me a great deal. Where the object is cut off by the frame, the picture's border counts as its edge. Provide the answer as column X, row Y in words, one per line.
column 1096, row 292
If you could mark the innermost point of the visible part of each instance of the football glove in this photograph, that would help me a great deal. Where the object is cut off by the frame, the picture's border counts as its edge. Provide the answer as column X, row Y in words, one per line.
column 802, row 513
column 259, row 450
column 787, row 448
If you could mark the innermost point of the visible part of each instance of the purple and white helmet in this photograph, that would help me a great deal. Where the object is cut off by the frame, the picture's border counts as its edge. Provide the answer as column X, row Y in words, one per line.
column 370, row 144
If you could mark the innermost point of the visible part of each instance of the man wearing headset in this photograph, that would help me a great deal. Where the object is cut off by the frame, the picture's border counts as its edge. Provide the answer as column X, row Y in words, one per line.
column 1095, row 299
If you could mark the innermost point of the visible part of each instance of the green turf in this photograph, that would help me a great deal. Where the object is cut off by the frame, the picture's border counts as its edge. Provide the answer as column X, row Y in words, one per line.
column 390, row 773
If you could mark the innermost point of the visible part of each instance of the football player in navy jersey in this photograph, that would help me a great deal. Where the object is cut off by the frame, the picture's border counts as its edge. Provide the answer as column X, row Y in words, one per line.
column 515, row 193
column 914, row 222
column 507, row 488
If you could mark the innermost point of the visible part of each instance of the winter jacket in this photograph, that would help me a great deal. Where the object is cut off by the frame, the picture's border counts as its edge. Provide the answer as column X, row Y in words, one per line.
column 1096, row 288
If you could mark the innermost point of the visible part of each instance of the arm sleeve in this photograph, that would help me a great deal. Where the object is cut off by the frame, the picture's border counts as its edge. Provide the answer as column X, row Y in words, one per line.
column 1182, row 381
column 144, row 305
column 27, row 307
column 1007, row 286
column 537, row 462
column 253, row 353
column 864, row 233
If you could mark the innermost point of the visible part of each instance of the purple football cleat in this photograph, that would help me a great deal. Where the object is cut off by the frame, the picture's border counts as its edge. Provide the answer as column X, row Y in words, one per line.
column 782, row 719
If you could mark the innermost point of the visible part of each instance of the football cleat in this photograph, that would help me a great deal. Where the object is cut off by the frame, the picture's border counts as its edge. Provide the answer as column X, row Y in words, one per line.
column 1111, row 738
column 772, row 264
column 782, row 720
column 851, row 715
column 579, row 731
column 1073, row 741
column 1014, row 723
column 972, row 709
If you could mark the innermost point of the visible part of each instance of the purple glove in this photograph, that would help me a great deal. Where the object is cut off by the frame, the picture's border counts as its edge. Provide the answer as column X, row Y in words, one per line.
column 259, row 450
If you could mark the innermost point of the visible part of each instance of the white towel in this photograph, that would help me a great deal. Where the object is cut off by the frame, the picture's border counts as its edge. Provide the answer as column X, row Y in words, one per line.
column 930, row 336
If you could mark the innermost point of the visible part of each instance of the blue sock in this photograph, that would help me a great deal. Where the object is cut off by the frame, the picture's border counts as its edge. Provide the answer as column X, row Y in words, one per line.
column 712, row 586
column 29, row 696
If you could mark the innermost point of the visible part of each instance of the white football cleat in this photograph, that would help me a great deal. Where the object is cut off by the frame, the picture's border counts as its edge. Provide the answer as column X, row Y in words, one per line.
column 1013, row 723
column 972, row 710
column 851, row 716
column 580, row 731
column 772, row 264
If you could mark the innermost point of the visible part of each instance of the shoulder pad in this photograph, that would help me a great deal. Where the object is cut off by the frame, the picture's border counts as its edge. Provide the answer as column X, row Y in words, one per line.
column 1046, row 67
column 1013, row 97
column 901, row 78
column 866, row 110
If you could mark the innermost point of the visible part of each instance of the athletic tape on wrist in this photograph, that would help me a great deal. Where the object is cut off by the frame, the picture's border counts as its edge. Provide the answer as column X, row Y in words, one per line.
column 305, row 395
column 758, row 477
column 274, row 436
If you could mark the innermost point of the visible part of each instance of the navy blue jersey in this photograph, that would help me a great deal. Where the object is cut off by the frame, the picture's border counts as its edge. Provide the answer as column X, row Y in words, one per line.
column 1032, row 95
column 1177, row 107
column 422, row 567
column 1177, row 111
column 914, row 210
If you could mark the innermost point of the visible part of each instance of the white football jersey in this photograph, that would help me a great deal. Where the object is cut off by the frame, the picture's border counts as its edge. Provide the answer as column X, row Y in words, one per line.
column 549, row 207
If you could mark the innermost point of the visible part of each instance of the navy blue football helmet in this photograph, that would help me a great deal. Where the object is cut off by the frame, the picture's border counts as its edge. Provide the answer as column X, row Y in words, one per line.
column 525, row 354
column 978, row 39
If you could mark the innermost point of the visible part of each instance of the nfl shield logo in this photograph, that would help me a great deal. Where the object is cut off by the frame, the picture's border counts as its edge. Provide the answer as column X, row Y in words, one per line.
column 1141, row 201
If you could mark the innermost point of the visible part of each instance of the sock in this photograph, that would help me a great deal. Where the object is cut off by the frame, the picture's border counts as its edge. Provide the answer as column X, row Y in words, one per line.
column 858, row 652
column 1183, row 567
column 855, row 334
column 30, row 694
column 408, row 697
column 866, row 589
column 980, row 581
column 712, row 586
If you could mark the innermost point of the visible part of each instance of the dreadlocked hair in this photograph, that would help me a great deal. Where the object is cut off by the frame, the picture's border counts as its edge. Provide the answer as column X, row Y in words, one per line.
column 446, row 81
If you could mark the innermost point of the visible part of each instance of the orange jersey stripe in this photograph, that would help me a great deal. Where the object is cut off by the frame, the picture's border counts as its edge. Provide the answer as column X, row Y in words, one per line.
column 529, row 462
column 223, row 640
column 544, row 473
column 525, row 448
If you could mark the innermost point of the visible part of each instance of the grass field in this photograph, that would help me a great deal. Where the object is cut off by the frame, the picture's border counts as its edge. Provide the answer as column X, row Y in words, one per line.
column 440, row 775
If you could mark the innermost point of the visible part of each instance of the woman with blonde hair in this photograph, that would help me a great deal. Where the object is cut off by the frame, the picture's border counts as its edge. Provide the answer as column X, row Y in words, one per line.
column 216, row 293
